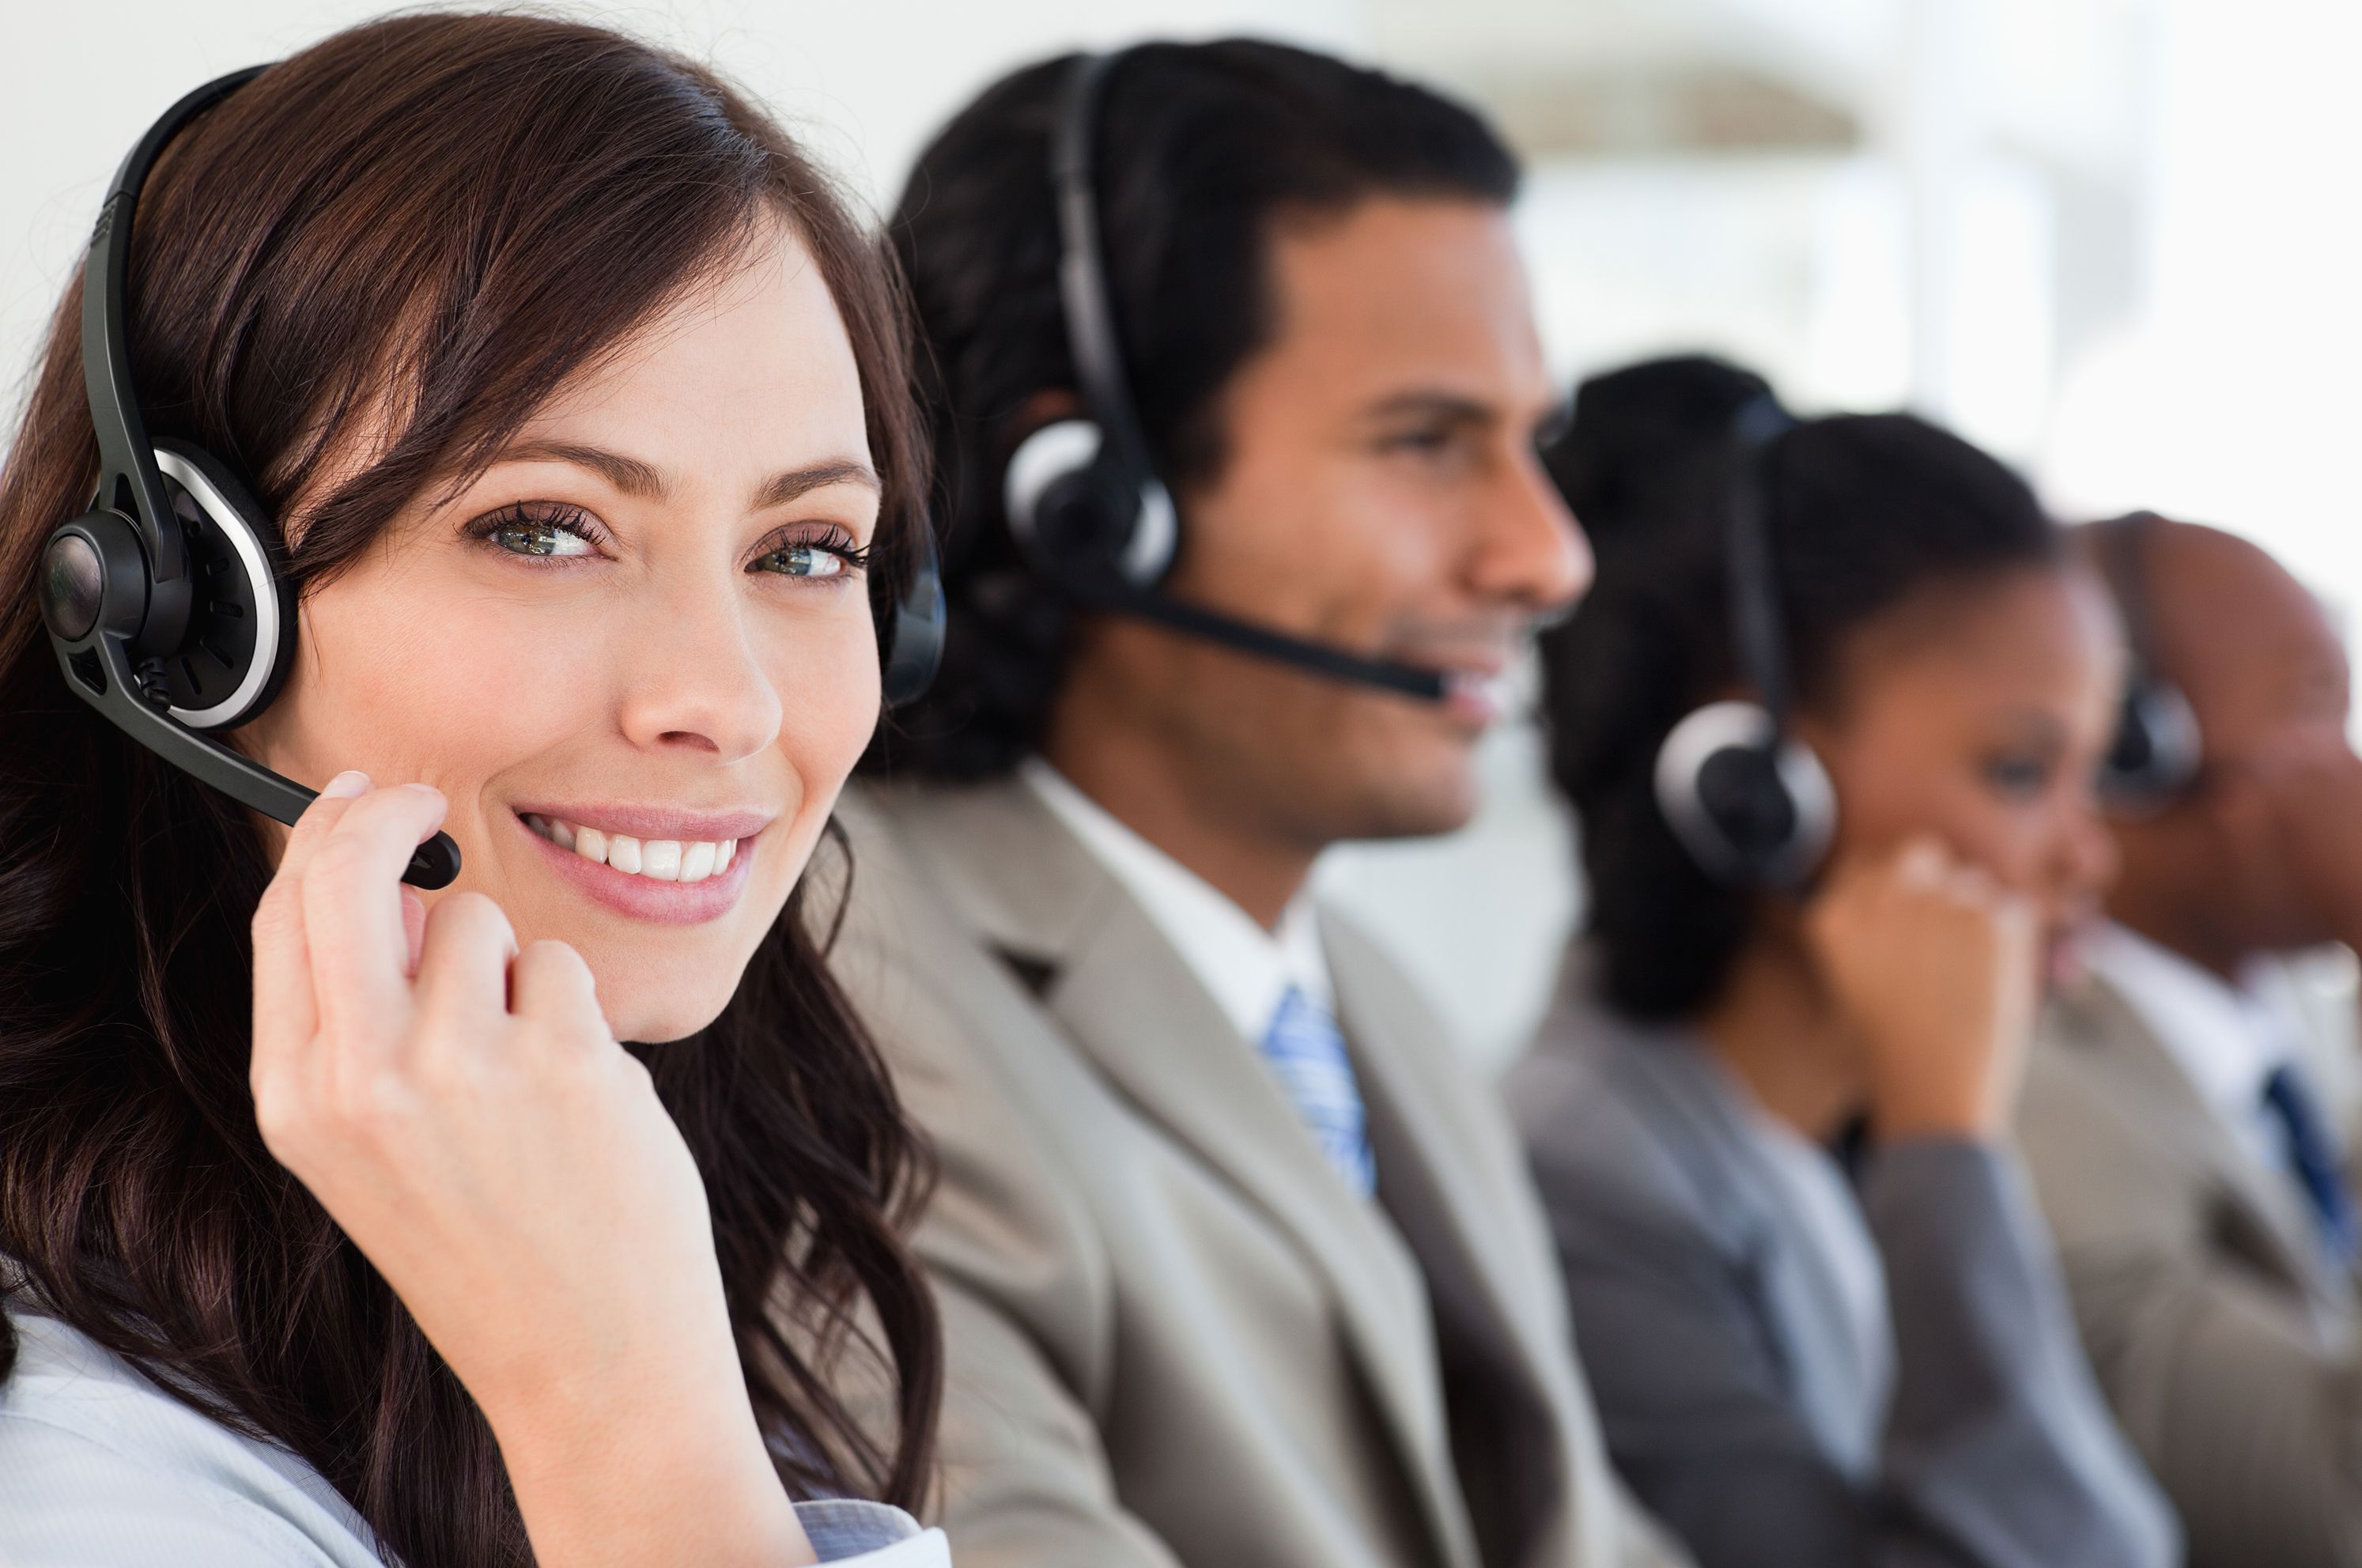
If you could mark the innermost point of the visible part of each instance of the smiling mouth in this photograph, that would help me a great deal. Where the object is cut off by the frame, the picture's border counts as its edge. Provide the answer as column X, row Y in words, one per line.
column 658, row 859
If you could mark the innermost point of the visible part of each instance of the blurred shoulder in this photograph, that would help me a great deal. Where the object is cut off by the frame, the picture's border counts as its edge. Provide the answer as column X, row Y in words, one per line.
column 99, row 1466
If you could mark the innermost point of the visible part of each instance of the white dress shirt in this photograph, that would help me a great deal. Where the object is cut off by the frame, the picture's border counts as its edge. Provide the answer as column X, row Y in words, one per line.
column 1247, row 968
column 2226, row 1040
column 99, row 1468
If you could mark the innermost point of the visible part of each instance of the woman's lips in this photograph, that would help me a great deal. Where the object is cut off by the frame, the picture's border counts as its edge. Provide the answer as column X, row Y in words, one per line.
column 647, row 894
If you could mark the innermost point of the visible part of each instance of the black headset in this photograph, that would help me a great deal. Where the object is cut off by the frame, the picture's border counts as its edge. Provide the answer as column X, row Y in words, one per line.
column 1750, row 802
column 1082, row 495
column 2158, row 747
column 168, row 602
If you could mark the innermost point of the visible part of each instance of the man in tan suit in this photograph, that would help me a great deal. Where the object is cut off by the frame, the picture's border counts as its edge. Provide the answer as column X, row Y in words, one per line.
column 2174, row 1114
column 1239, row 1265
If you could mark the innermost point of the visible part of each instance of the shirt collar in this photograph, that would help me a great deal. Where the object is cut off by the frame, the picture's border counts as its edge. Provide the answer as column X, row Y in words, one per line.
column 2226, row 1039
column 1246, row 968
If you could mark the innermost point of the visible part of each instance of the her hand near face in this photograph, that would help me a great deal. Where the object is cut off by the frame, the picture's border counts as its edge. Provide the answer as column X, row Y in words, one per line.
column 1935, row 966
column 462, row 1112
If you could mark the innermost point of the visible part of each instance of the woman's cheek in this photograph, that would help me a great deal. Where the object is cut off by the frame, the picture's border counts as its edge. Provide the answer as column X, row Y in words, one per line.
column 829, row 684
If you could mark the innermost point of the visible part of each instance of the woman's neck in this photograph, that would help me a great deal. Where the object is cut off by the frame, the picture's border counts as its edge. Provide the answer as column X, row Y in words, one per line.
column 1773, row 1025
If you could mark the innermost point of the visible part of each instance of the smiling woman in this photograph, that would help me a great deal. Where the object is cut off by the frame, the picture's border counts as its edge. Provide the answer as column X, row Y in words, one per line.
column 335, row 1225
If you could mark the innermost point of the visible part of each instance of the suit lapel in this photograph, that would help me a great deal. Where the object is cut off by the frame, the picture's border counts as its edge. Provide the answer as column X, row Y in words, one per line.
column 2276, row 1212
column 1132, row 1006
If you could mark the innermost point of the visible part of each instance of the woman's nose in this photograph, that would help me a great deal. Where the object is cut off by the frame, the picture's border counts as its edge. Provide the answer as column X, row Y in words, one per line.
column 693, row 679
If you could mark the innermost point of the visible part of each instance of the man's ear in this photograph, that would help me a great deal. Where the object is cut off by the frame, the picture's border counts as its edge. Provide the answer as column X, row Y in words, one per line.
column 1043, row 408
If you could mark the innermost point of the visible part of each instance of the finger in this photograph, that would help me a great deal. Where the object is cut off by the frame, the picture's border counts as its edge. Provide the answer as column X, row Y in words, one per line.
column 1974, row 886
column 1922, row 862
column 463, row 962
column 352, row 909
column 285, row 1010
column 414, row 927
column 550, row 983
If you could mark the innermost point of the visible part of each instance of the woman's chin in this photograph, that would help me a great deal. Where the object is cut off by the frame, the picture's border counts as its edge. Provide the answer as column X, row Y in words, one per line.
column 659, row 1024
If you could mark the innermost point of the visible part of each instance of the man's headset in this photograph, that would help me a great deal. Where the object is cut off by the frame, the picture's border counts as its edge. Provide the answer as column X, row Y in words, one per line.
column 1750, row 803
column 1082, row 495
column 2157, row 745
column 167, row 601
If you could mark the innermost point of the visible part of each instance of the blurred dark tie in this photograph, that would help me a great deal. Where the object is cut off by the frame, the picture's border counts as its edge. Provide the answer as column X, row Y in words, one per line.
column 2312, row 1160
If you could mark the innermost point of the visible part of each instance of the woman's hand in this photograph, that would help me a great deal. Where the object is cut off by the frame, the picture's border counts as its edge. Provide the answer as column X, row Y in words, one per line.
column 1935, row 966
column 462, row 1111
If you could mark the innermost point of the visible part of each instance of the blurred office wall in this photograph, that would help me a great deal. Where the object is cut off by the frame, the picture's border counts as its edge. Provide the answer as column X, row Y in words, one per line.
column 2114, row 239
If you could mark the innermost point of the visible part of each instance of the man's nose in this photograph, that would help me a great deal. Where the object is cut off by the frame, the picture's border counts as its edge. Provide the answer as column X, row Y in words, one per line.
column 1532, row 552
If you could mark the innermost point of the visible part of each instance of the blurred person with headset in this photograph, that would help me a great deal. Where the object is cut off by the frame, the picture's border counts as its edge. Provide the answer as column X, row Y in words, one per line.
column 2176, row 1116
column 1828, row 720
column 508, row 409
column 1236, row 390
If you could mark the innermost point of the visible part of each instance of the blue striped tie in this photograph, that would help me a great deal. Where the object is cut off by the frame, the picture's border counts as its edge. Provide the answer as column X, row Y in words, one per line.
column 2312, row 1160
column 1308, row 1054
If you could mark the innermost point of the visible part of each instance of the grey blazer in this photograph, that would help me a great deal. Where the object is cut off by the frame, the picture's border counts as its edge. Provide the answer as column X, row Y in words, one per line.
column 2225, row 1341
column 1705, row 1315
column 1173, row 1335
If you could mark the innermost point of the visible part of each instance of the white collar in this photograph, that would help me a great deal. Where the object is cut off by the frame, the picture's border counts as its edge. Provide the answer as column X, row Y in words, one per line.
column 2226, row 1040
column 1247, row 968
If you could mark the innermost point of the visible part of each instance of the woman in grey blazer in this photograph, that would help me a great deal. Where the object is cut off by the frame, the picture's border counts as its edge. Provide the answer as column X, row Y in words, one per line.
column 1819, row 1314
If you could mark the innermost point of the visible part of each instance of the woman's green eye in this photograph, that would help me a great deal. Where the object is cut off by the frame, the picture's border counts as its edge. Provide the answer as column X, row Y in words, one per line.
column 527, row 538
column 804, row 561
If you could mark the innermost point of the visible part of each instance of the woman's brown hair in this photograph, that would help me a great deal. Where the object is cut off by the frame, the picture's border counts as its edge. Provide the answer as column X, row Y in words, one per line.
column 417, row 230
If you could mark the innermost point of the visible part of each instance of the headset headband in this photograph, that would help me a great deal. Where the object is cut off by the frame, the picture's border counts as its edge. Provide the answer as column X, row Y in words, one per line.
column 1082, row 266
column 1759, row 632
column 2124, row 562
column 126, row 461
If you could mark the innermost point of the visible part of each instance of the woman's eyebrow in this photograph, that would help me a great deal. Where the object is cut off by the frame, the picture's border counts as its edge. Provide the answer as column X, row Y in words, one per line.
column 783, row 488
column 629, row 475
column 643, row 479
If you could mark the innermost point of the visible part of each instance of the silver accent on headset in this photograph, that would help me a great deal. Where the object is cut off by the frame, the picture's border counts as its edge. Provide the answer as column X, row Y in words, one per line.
column 1070, row 445
column 2176, row 751
column 1682, row 758
column 219, row 512
column 1041, row 460
column 1150, row 549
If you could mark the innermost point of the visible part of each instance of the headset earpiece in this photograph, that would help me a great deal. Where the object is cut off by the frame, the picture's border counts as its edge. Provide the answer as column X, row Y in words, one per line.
column 1749, row 806
column 914, row 635
column 2156, row 752
column 1750, row 803
column 1082, row 517
column 233, row 659
column 2158, row 747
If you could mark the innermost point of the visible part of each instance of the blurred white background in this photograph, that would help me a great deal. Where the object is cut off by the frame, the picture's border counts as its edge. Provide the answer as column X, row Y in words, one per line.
column 2114, row 240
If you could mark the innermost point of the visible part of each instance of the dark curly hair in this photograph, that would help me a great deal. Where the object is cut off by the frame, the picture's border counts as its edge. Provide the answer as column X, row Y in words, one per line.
column 1201, row 149
column 1861, row 510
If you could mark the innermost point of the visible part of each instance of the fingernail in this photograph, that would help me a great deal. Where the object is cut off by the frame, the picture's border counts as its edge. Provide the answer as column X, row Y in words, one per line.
column 346, row 785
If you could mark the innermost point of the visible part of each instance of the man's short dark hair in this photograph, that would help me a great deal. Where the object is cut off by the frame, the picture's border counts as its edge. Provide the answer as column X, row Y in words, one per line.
column 1201, row 149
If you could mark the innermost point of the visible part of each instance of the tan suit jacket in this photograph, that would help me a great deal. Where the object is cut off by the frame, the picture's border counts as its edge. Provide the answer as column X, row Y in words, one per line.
column 1174, row 1335
column 2222, row 1337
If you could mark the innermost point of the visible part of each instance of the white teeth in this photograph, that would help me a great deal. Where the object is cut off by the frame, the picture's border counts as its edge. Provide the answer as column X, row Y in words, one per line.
column 658, row 859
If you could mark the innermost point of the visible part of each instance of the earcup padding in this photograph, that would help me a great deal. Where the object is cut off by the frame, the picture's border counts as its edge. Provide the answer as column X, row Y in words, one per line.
column 241, row 633
column 1750, row 808
column 1082, row 519
column 2157, row 750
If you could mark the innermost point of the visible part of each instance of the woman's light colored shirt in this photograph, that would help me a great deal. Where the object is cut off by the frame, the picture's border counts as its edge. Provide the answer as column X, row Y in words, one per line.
column 99, row 1468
